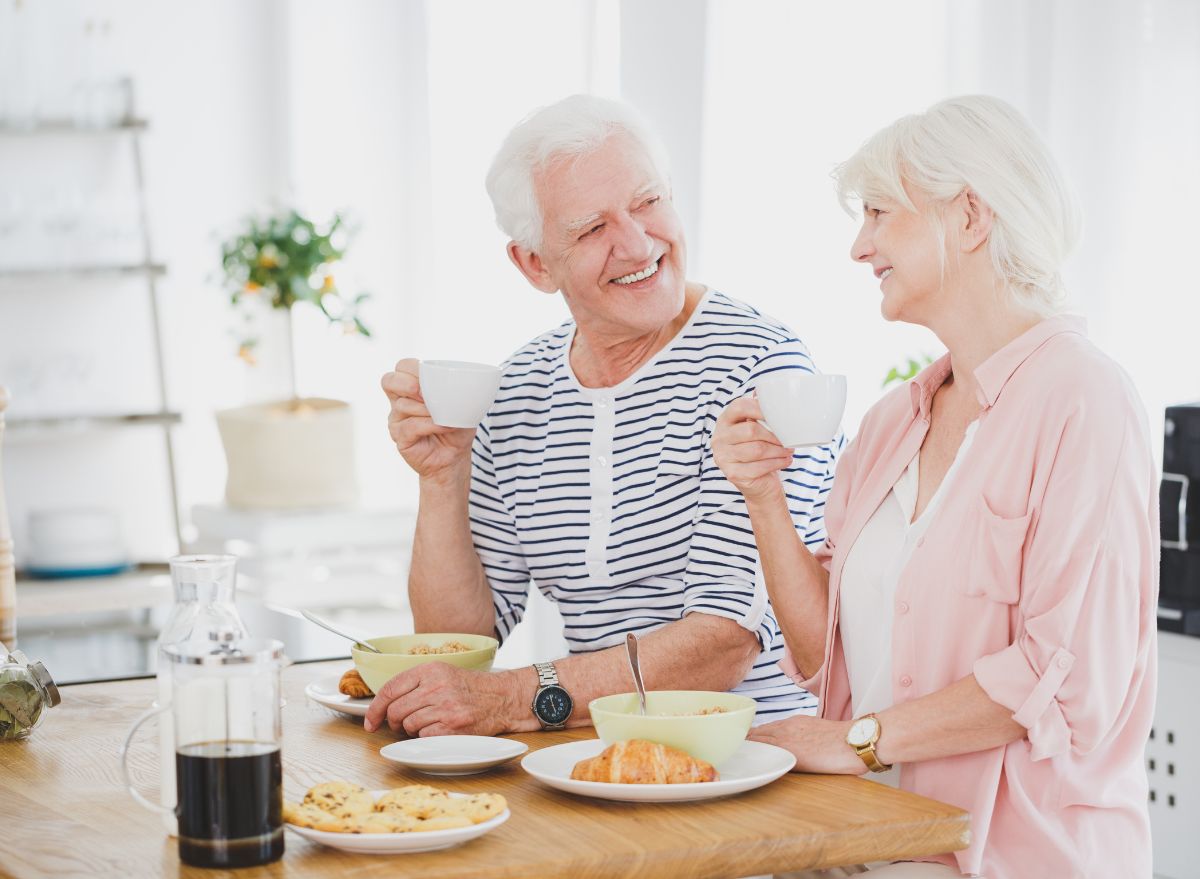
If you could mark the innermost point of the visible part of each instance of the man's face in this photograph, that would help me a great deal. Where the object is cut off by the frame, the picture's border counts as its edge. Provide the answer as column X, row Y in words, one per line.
column 611, row 240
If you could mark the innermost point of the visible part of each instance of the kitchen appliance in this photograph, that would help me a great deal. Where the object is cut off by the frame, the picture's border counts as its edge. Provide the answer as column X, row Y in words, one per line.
column 1179, row 500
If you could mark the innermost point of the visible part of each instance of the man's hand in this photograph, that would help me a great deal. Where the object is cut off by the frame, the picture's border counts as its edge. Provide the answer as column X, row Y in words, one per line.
column 819, row 745
column 748, row 454
column 430, row 450
column 437, row 699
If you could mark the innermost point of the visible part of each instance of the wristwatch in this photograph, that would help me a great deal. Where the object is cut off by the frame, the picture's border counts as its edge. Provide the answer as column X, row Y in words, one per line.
column 863, row 735
column 552, row 704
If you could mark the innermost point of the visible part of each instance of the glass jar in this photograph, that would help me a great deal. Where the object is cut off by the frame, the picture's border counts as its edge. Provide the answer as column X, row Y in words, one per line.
column 26, row 691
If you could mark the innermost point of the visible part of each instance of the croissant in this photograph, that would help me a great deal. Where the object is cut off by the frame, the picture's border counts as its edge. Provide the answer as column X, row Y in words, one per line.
column 353, row 685
column 641, row 762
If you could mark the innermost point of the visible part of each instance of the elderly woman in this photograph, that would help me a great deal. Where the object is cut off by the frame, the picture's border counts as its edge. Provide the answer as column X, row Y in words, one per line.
column 592, row 474
column 980, row 621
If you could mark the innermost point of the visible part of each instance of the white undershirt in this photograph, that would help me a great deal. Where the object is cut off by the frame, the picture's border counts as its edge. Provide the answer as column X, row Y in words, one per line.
column 868, row 591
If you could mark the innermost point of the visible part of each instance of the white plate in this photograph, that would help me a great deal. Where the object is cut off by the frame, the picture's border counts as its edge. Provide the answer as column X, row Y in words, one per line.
column 325, row 692
column 752, row 765
column 401, row 843
column 453, row 755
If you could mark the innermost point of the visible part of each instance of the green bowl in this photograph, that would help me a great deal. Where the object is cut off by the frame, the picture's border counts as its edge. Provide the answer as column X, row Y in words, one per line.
column 378, row 668
column 669, row 720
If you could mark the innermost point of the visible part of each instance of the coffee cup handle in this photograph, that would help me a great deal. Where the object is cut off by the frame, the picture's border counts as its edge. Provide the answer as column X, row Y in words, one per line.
column 763, row 422
column 125, row 776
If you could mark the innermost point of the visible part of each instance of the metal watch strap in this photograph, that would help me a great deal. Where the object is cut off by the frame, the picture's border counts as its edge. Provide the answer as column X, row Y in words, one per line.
column 867, row 753
column 547, row 674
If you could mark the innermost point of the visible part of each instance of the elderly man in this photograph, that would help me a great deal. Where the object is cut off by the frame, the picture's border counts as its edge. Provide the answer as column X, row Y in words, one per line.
column 592, row 474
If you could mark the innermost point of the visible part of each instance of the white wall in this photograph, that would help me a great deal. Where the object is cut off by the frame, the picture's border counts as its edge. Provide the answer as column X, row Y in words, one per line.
column 791, row 89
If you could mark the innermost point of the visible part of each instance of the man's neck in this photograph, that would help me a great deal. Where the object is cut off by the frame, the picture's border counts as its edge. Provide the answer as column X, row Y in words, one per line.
column 601, row 361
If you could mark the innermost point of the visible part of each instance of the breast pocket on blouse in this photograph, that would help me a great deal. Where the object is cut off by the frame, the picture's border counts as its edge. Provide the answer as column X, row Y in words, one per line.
column 995, row 546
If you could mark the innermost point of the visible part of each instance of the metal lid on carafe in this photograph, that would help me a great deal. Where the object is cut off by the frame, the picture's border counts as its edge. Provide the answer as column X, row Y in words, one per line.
column 217, row 652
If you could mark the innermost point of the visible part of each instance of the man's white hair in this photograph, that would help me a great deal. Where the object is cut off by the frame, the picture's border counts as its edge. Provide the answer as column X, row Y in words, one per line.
column 980, row 143
column 570, row 128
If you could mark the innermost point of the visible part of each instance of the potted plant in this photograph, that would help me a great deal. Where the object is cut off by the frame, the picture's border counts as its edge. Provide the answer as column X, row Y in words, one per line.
column 297, row 452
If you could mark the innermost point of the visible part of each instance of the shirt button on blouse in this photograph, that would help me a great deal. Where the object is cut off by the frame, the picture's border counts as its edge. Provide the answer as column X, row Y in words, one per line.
column 905, row 681
column 902, row 607
column 1063, row 662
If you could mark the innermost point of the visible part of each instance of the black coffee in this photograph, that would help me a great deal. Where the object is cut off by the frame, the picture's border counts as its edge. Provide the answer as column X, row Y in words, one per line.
column 230, row 803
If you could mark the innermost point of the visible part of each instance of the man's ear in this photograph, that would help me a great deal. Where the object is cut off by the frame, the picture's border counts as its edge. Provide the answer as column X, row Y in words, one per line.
column 531, row 266
column 975, row 219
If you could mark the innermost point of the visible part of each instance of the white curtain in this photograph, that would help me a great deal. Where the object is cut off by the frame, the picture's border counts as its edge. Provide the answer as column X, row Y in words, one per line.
column 1114, row 86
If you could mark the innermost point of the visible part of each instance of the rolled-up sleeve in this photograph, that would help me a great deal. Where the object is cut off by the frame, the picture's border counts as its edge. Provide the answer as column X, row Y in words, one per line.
column 494, row 532
column 1088, row 588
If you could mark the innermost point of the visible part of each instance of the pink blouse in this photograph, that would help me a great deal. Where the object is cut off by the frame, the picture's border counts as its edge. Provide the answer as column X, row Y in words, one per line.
column 1039, row 575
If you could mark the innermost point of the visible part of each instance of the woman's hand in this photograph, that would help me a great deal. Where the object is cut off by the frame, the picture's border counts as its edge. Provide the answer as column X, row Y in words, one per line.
column 819, row 745
column 432, row 451
column 748, row 454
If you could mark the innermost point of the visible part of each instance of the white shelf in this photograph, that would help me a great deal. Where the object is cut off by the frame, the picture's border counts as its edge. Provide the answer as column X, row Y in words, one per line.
column 61, row 127
column 81, row 423
column 83, row 272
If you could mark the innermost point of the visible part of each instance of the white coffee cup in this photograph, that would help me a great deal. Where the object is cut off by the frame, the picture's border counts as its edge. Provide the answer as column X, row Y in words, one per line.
column 800, row 408
column 458, row 393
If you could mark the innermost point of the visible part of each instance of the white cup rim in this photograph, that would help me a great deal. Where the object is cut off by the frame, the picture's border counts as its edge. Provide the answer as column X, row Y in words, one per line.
column 464, row 365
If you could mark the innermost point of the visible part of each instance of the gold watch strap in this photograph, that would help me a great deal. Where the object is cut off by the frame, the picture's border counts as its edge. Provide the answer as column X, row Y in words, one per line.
column 867, row 752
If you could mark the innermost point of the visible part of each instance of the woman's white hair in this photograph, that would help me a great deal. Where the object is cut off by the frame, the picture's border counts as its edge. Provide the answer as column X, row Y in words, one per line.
column 980, row 143
column 570, row 128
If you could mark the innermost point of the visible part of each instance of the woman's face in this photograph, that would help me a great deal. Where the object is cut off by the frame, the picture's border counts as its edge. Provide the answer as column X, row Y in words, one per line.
column 901, row 247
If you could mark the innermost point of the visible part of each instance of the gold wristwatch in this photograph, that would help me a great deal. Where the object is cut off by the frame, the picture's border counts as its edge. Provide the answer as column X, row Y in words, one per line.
column 863, row 735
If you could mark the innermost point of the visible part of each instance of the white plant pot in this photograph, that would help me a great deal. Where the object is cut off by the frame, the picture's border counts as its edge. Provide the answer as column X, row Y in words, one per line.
column 290, row 454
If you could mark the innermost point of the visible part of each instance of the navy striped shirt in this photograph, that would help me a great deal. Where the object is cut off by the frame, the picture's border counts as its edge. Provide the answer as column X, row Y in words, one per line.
column 608, row 499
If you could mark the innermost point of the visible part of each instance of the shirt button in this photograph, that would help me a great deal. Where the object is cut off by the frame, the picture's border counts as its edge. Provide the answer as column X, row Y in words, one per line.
column 602, row 404
column 906, row 681
column 902, row 607
column 1063, row 662
column 601, row 460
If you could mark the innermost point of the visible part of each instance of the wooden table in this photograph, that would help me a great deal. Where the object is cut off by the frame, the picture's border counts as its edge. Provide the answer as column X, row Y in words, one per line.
column 63, row 811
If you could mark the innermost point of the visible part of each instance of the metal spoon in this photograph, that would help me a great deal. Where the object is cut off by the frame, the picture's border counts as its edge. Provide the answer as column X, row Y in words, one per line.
column 325, row 624
column 631, row 652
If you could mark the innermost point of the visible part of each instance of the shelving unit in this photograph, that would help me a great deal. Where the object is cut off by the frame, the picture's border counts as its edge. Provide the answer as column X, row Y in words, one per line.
column 83, row 273
column 68, row 127
column 146, row 269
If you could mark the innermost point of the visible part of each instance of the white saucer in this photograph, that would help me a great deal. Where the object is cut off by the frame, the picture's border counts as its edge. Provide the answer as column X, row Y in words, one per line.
column 399, row 843
column 453, row 755
column 325, row 692
column 754, row 764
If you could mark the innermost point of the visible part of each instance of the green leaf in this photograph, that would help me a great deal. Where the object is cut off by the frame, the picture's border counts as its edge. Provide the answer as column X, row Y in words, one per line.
column 21, row 700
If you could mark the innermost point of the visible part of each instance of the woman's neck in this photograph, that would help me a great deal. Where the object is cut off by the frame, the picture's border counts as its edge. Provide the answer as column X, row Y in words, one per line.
column 975, row 332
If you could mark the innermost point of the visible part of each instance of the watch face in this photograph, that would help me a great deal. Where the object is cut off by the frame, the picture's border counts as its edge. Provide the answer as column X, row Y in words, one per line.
column 862, row 731
column 553, row 705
